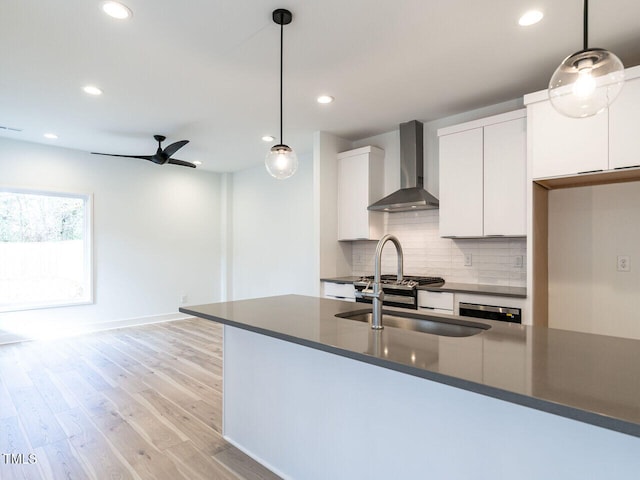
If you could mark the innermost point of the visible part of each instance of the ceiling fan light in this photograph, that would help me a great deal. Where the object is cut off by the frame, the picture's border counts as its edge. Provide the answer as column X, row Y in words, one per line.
column 281, row 162
column 586, row 83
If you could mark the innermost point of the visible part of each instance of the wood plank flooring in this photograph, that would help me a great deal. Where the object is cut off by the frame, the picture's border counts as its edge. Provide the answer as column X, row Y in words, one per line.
column 134, row 403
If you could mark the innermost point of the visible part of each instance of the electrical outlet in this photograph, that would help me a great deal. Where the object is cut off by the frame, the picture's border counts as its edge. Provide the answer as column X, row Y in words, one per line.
column 468, row 259
column 183, row 299
column 519, row 261
column 624, row 263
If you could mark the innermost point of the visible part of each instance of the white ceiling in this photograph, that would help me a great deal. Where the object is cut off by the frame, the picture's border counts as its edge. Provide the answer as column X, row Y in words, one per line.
column 208, row 71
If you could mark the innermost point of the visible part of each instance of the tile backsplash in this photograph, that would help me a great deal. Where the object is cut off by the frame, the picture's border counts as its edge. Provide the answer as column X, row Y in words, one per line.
column 494, row 261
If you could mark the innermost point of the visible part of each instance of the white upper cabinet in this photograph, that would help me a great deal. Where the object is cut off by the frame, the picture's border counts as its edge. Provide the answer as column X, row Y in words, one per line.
column 461, row 159
column 360, row 183
column 505, row 176
column 564, row 146
column 483, row 177
column 624, row 137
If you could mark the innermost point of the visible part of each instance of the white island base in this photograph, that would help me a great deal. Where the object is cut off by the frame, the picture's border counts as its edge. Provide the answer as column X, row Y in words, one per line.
column 308, row 414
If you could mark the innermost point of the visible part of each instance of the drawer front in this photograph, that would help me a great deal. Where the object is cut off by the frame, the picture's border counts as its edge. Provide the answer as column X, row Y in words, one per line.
column 339, row 290
column 427, row 310
column 435, row 300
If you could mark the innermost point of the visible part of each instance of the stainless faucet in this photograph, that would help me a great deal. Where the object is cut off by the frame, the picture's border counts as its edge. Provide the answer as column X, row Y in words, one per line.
column 377, row 295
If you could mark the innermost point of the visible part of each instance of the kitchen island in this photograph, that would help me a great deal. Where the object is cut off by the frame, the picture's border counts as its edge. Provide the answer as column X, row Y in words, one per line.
column 312, row 395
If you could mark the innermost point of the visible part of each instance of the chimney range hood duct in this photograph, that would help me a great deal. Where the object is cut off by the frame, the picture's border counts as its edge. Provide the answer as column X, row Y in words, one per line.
column 412, row 195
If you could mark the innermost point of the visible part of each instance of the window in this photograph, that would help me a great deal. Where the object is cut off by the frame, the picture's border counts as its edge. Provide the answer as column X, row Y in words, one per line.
column 45, row 249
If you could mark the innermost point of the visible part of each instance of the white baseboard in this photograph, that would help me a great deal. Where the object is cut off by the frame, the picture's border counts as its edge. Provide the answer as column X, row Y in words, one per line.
column 261, row 461
column 70, row 331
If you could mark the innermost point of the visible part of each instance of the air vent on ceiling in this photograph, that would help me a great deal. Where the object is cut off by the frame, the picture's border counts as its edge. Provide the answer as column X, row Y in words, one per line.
column 10, row 129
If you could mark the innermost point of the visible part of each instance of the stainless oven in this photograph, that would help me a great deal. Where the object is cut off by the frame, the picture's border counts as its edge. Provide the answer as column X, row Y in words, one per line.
column 396, row 294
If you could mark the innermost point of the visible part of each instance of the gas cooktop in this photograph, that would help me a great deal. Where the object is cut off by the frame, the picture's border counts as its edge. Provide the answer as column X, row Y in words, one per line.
column 410, row 281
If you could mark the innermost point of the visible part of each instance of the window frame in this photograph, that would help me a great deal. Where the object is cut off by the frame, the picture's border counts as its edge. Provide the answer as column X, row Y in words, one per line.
column 88, row 263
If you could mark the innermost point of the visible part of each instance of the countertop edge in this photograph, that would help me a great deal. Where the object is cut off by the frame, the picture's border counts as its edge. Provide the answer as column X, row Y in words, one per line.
column 565, row 411
column 341, row 280
column 471, row 290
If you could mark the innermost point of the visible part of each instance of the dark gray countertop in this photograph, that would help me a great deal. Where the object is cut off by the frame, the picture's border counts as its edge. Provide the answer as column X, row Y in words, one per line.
column 590, row 378
column 340, row 279
column 500, row 291
column 497, row 290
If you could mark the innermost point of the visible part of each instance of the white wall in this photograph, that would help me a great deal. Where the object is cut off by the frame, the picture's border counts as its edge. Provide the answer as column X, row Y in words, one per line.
column 333, row 258
column 156, row 234
column 588, row 228
column 273, row 233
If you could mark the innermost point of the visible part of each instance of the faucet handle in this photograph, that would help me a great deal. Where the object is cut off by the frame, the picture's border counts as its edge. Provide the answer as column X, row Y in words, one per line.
column 367, row 293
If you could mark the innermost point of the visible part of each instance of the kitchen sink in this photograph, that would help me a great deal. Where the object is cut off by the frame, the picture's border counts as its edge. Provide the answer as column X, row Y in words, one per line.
column 420, row 323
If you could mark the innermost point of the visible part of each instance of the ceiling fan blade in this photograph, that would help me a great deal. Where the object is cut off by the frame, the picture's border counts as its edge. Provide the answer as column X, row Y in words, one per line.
column 174, row 161
column 174, row 147
column 142, row 157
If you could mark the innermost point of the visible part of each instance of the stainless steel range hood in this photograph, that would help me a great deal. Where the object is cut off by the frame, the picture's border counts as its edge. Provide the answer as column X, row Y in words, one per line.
column 412, row 195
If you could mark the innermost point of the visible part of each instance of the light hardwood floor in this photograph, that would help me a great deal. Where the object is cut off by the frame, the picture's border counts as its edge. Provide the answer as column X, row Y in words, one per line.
column 134, row 403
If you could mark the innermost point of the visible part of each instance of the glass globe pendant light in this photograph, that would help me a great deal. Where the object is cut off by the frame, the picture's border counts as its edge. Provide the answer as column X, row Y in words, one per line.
column 587, row 81
column 281, row 161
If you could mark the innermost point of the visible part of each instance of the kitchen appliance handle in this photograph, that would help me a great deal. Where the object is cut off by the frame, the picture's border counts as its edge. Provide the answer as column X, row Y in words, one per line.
column 489, row 308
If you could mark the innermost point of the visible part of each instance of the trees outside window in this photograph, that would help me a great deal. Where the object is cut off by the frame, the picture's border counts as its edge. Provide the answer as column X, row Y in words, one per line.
column 45, row 249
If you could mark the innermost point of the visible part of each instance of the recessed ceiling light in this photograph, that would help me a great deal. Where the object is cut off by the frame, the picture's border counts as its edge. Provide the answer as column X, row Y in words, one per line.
column 197, row 162
column 92, row 90
column 268, row 138
column 50, row 136
column 531, row 17
column 325, row 99
column 116, row 10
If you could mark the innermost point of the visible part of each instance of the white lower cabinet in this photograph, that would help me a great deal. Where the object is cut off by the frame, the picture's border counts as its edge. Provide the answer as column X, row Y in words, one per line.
column 339, row 291
column 436, row 302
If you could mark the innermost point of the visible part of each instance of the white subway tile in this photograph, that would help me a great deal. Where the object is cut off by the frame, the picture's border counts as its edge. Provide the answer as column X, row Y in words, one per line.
column 426, row 253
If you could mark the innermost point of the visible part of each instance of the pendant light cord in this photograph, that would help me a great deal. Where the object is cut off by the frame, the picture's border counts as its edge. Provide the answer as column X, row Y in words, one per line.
column 585, row 29
column 281, row 50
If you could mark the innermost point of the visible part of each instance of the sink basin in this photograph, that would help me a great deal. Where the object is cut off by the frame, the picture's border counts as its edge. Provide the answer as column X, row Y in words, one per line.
column 420, row 323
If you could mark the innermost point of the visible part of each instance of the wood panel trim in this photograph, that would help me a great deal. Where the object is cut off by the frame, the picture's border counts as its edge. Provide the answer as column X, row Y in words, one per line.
column 540, row 206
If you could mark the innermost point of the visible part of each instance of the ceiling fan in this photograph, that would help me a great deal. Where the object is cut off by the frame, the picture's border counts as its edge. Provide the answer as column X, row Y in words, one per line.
column 161, row 156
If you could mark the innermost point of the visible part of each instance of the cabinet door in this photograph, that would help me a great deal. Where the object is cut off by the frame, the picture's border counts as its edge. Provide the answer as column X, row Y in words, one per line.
column 342, row 291
column 461, row 184
column 353, row 195
column 505, row 178
column 624, row 138
column 441, row 301
column 566, row 146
